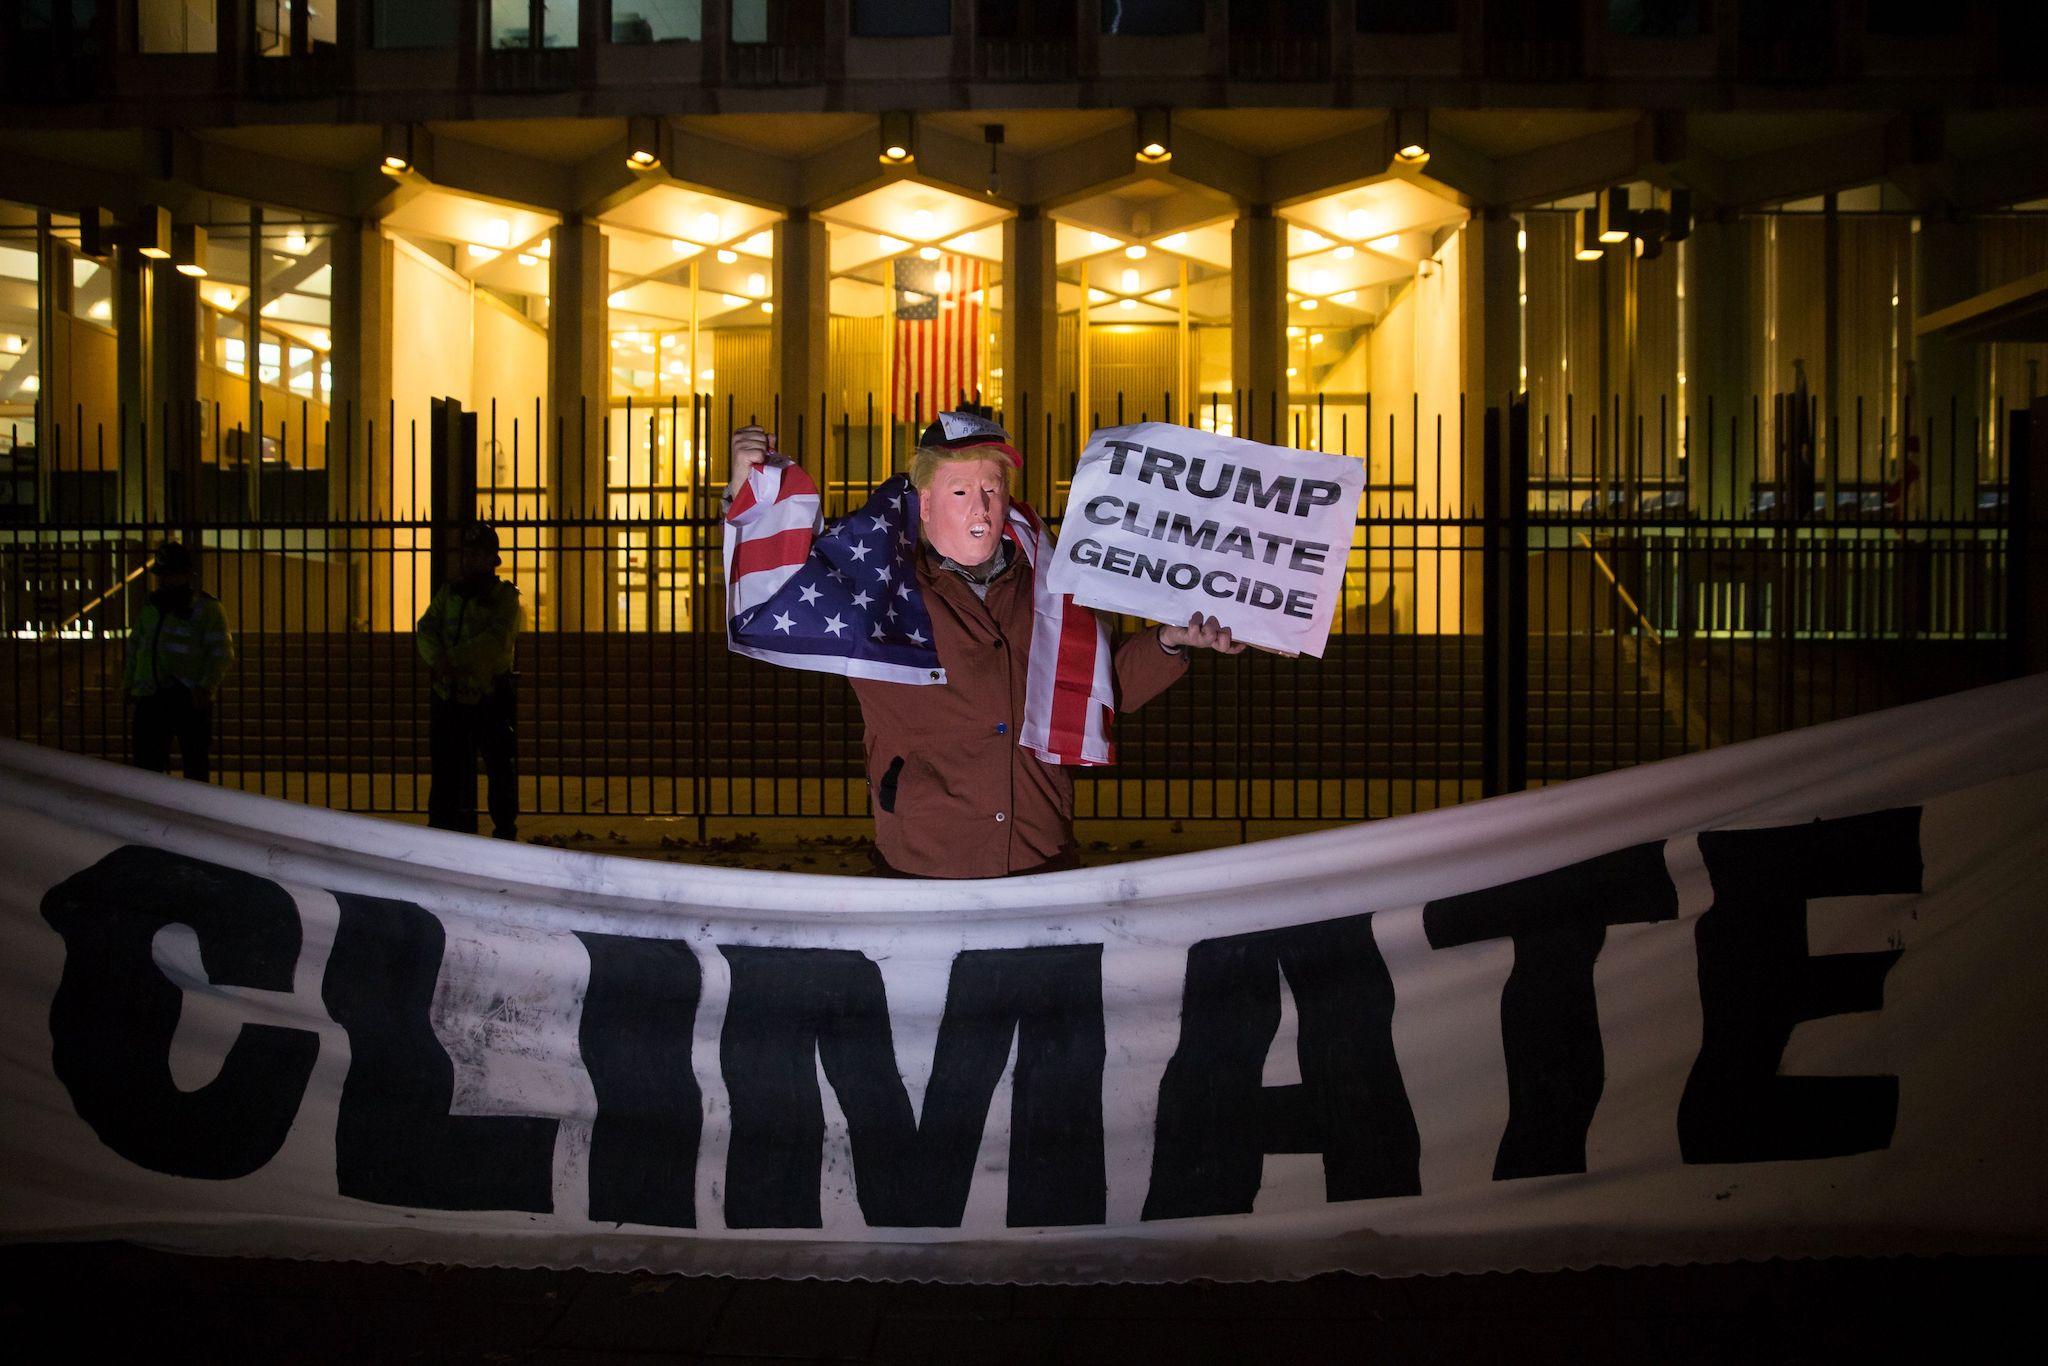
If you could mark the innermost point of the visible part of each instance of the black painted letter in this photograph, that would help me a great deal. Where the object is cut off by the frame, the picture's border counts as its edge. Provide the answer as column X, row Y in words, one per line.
column 638, row 1018
column 394, row 1141
column 792, row 1008
column 1757, row 982
column 1217, row 1122
column 1549, row 1019
column 115, row 1012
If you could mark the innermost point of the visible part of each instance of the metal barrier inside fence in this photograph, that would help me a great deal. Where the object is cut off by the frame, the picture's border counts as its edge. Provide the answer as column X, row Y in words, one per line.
column 1526, row 600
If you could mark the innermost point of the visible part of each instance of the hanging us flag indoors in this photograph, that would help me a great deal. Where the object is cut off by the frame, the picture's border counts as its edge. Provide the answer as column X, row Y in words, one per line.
column 937, row 358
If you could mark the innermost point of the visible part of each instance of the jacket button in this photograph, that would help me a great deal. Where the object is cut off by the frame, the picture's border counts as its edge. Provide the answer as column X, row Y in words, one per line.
column 1000, row 818
column 1002, row 727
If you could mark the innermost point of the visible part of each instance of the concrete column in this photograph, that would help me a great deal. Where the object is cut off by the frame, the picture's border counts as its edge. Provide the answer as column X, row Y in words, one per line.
column 1945, row 370
column 174, row 393
column 1258, row 329
column 362, row 266
column 1720, row 336
column 799, row 331
column 1030, row 333
column 142, row 469
column 1490, row 288
column 581, row 573
column 359, row 452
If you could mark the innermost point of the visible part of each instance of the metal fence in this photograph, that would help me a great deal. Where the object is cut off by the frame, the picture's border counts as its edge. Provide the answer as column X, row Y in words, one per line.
column 1525, row 602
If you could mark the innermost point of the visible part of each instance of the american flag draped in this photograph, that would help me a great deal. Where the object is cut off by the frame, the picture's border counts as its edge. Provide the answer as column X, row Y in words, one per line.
column 937, row 355
column 845, row 600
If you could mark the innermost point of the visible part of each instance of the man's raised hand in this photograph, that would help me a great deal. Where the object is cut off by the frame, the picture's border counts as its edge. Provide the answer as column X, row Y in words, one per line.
column 752, row 448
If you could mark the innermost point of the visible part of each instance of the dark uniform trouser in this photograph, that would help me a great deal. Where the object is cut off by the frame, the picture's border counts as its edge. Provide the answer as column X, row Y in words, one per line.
column 462, row 732
column 166, row 714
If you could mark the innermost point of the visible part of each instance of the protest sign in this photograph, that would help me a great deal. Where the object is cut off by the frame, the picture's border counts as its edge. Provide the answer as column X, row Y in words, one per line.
column 1772, row 1000
column 1166, row 521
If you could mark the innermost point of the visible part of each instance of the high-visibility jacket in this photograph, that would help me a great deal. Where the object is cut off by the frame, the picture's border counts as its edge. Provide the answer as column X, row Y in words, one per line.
column 192, row 648
column 473, row 634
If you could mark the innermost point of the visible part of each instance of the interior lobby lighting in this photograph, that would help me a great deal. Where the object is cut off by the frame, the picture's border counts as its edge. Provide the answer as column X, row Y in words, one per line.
column 643, row 143
column 321, row 341
column 545, row 249
column 898, row 144
column 761, row 243
column 1308, row 305
column 1096, row 296
column 153, row 232
column 1315, row 339
column 481, row 253
column 14, row 343
column 890, row 245
column 1589, row 248
column 1155, row 138
column 737, row 299
column 709, row 228
column 1291, row 372
column 1159, row 296
column 1614, row 214
column 1130, row 281
column 1346, row 252
column 767, row 307
column 1319, row 281
column 1175, row 241
column 31, row 384
column 1135, row 251
column 927, row 253
column 921, row 224
column 191, row 250
column 757, row 283
column 1349, row 296
column 527, row 258
column 617, row 299
column 707, row 375
column 295, row 242
column 1127, row 304
column 1411, row 136
column 1295, row 331
column 1361, row 223
column 498, row 233
column 942, row 280
column 726, row 256
column 101, row 310
column 1100, row 241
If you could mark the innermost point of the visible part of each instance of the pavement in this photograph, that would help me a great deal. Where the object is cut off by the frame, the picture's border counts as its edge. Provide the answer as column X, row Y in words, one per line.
column 115, row 1302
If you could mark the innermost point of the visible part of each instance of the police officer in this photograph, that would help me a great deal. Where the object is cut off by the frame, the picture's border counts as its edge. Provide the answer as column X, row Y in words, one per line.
column 465, row 639
column 178, row 653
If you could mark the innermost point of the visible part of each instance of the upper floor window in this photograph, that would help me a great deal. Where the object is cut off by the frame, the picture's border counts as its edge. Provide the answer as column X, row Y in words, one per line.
column 412, row 23
column 657, row 21
column 1657, row 18
column 176, row 26
column 1152, row 18
column 902, row 18
column 777, row 21
column 533, row 23
column 1407, row 16
column 291, row 28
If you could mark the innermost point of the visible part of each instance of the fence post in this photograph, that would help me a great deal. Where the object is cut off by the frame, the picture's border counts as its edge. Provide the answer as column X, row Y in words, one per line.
column 1504, row 648
column 2026, row 557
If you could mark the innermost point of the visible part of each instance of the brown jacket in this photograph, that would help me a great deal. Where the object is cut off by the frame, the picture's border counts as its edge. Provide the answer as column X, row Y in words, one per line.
column 954, row 794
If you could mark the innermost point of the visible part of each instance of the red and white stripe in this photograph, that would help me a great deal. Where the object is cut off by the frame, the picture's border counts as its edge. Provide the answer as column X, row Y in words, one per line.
column 939, row 361
column 1070, row 692
column 769, row 529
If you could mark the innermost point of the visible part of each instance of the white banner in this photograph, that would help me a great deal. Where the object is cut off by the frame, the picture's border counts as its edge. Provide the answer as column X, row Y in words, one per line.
column 1165, row 521
column 1773, row 1000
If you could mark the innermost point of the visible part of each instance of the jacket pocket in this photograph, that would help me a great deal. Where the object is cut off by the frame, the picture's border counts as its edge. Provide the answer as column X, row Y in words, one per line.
column 889, row 781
